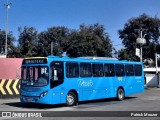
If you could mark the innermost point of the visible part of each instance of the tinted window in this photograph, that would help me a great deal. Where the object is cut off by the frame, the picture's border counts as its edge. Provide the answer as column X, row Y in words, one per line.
column 109, row 70
column 57, row 72
column 72, row 70
column 97, row 70
column 129, row 70
column 138, row 70
column 119, row 69
column 85, row 70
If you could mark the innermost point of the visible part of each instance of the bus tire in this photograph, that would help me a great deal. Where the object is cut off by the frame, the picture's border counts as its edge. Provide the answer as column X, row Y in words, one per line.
column 71, row 99
column 120, row 94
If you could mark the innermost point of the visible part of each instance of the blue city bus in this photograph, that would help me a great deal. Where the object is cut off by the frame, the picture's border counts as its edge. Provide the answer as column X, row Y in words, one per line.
column 56, row 80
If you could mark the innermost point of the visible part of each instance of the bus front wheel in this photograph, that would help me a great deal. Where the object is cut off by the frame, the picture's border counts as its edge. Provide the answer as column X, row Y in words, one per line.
column 71, row 99
column 120, row 94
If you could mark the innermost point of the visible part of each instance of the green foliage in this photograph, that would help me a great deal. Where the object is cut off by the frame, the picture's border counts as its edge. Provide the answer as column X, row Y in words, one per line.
column 123, row 55
column 89, row 41
column 129, row 34
column 28, row 41
column 2, row 41
column 57, row 35
column 10, row 42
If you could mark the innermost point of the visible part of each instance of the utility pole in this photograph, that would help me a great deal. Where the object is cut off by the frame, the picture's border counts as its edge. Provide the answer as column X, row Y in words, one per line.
column 52, row 48
column 158, row 75
column 7, row 5
column 141, row 40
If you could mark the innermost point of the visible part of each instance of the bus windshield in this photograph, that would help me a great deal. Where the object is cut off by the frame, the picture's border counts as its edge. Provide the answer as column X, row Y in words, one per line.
column 34, row 76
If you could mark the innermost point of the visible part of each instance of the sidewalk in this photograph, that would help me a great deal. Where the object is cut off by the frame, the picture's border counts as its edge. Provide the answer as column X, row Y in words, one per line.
column 152, row 88
column 9, row 100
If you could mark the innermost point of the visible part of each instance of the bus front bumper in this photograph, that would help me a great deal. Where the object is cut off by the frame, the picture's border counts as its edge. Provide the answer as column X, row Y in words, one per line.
column 42, row 98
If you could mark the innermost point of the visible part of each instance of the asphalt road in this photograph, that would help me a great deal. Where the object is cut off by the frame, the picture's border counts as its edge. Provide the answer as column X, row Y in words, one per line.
column 132, row 108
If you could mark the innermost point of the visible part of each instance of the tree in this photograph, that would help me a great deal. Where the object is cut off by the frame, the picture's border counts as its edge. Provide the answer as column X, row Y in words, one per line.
column 123, row 55
column 129, row 34
column 10, row 43
column 57, row 35
column 28, row 41
column 90, row 40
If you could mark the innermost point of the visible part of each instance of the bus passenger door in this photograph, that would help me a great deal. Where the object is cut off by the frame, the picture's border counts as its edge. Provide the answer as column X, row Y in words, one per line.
column 56, row 80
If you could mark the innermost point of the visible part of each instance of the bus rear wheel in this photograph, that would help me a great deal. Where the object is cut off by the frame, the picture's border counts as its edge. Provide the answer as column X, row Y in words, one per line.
column 120, row 94
column 71, row 99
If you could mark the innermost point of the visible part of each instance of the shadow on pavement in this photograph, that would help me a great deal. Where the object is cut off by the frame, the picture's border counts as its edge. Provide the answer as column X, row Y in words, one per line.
column 33, row 105
column 106, row 100
column 46, row 106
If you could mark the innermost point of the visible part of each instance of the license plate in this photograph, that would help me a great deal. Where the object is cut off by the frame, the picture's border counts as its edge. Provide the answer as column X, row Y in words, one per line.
column 29, row 99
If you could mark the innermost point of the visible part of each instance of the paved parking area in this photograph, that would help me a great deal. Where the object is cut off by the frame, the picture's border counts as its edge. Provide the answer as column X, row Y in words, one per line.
column 147, row 102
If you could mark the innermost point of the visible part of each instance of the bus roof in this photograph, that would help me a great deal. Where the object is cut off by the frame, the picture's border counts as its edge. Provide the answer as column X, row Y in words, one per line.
column 91, row 59
column 77, row 59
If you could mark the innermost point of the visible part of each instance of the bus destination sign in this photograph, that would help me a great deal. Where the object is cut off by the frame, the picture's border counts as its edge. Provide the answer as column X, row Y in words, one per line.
column 35, row 61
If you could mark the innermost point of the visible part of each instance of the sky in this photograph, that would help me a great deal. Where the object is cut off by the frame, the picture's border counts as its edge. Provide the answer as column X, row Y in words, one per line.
column 42, row 14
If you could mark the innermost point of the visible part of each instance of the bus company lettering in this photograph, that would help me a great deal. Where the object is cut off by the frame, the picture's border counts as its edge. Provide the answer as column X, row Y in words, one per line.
column 85, row 83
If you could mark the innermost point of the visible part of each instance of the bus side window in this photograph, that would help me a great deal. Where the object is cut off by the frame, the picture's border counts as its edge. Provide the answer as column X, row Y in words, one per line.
column 138, row 70
column 129, row 70
column 109, row 70
column 85, row 70
column 97, row 70
column 119, row 69
column 57, row 71
column 72, row 70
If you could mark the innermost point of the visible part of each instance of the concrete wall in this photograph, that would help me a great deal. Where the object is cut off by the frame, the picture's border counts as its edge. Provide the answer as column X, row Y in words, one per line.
column 8, row 67
column 9, row 84
column 151, row 77
column 151, row 80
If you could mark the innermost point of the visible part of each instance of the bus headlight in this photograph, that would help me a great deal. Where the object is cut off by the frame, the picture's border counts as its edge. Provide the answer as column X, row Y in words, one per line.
column 43, row 94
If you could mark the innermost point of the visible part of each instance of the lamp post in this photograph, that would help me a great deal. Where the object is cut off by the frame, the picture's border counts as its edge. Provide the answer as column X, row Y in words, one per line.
column 7, row 5
column 141, row 41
